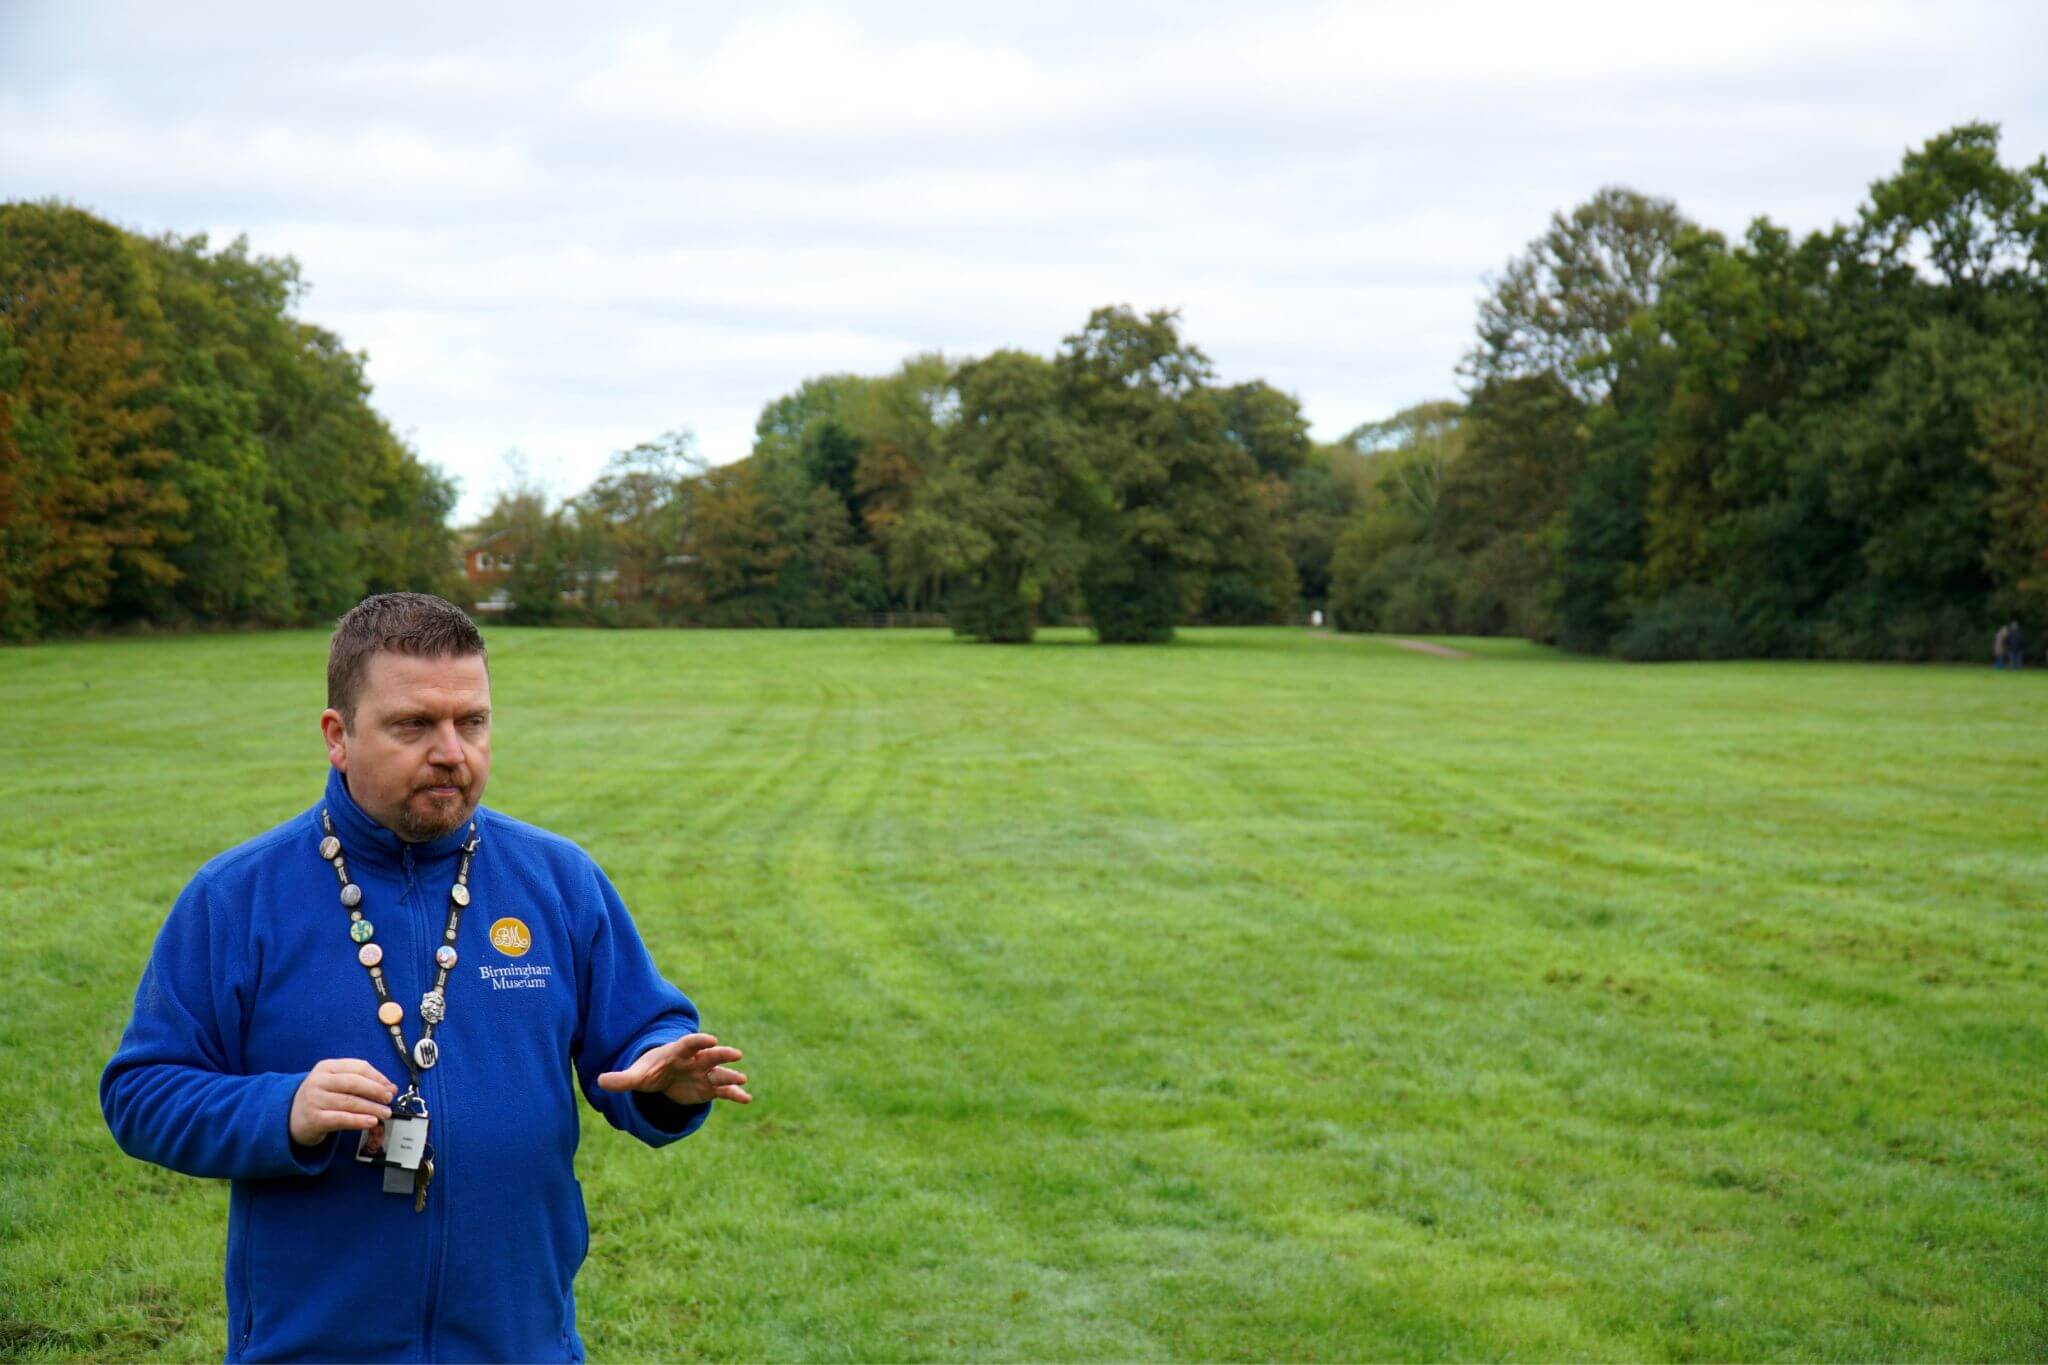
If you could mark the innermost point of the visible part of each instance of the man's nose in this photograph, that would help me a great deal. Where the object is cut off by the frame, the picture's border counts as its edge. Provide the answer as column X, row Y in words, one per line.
column 447, row 750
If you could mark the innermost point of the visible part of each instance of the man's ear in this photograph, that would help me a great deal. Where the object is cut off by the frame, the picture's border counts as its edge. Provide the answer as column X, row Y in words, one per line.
column 334, row 730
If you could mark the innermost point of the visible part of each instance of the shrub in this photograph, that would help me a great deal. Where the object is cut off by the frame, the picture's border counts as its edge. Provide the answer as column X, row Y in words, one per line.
column 1133, row 598
column 1690, row 623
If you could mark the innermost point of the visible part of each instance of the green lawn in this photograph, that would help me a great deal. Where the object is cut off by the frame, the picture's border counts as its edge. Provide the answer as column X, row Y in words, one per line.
column 1264, row 996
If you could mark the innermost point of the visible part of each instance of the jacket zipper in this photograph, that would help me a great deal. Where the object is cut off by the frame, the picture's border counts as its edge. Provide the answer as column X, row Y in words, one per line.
column 430, row 1089
column 248, row 1324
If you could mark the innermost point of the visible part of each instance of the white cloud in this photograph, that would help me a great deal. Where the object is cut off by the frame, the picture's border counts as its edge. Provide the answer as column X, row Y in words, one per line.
column 1469, row 43
column 86, row 136
column 816, row 74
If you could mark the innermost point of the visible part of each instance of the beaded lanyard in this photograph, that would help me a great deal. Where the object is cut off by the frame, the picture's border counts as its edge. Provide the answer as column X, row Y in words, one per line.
column 434, row 1004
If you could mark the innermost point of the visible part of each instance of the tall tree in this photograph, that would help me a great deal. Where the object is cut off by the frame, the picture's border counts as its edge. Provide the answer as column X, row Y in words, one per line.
column 1559, row 307
column 902, row 420
column 1386, row 572
column 253, row 422
column 1982, row 226
column 1311, row 509
column 736, row 547
column 222, row 311
column 1267, row 425
column 90, row 514
column 1002, row 515
column 2015, row 455
column 639, row 509
column 538, row 543
column 1183, row 500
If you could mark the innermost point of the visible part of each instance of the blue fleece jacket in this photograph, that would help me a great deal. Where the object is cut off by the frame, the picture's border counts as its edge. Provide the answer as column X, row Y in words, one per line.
column 254, row 979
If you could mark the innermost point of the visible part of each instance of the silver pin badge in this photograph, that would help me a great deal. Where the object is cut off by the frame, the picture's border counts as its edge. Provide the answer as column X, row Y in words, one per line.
column 459, row 894
column 351, row 895
column 433, row 1007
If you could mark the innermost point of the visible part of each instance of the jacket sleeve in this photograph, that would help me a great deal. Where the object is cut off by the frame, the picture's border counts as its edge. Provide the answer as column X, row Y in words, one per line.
column 628, row 1008
column 174, row 1093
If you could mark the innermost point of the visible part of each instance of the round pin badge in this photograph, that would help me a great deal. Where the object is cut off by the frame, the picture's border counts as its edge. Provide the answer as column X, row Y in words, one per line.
column 369, row 954
column 459, row 894
column 351, row 895
column 361, row 931
column 329, row 847
column 444, row 956
column 426, row 1052
column 390, row 1012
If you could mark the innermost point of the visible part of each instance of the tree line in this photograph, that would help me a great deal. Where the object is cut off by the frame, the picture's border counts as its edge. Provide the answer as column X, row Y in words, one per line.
column 1114, row 483
column 177, row 448
column 1677, row 446
column 1670, row 445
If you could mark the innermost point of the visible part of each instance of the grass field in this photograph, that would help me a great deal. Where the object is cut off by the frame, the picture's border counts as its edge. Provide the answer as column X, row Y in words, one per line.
column 1263, row 996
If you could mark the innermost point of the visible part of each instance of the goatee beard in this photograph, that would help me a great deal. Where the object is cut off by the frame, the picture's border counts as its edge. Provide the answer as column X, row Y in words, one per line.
column 416, row 829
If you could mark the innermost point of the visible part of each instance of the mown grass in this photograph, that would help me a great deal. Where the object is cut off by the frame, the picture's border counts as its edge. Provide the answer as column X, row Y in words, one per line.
column 1264, row 996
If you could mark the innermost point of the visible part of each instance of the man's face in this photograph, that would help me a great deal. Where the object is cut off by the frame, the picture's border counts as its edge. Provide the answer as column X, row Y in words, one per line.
column 419, row 752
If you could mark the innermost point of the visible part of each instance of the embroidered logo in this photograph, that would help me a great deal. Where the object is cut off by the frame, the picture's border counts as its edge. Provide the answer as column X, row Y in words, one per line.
column 526, row 976
column 510, row 937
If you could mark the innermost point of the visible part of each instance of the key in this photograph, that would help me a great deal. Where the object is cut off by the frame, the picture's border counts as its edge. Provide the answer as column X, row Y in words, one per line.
column 421, row 1178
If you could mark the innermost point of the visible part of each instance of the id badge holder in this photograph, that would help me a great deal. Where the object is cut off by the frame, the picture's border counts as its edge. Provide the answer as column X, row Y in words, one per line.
column 398, row 1144
column 405, row 1147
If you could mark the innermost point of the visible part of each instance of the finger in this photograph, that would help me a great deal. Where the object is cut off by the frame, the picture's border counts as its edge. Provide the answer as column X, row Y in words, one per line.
column 356, row 1066
column 716, row 1056
column 333, row 1120
column 724, row 1075
column 639, row 1076
column 353, row 1066
column 349, row 1083
column 677, row 1048
column 733, row 1093
column 650, row 1070
column 333, row 1101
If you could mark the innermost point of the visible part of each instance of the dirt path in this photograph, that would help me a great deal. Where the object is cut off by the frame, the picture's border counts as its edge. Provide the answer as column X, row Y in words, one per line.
column 1419, row 646
column 1425, row 647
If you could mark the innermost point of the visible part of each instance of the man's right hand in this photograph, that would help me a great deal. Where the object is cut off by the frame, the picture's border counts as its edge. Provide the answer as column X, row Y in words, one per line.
column 338, row 1094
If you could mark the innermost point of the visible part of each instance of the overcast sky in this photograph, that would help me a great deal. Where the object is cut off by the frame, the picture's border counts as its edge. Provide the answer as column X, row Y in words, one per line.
column 567, row 228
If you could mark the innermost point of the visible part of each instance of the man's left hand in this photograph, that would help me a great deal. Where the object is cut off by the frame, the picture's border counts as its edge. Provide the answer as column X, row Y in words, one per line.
column 688, row 1071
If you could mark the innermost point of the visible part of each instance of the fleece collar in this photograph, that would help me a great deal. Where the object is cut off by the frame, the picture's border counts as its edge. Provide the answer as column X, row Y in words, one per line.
column 364, row 840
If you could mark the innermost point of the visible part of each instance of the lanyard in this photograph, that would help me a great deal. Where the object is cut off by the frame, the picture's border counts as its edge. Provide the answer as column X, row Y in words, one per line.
column 434, row 1004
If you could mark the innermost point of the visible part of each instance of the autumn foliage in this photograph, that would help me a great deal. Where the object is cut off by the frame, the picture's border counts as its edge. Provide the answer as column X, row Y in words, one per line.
column 176, row 448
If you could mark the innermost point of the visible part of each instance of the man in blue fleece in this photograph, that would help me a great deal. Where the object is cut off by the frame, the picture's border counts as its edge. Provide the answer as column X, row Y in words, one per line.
column 399, row 945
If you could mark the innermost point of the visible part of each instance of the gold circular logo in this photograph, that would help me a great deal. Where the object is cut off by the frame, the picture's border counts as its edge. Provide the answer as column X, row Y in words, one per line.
column 510, row 937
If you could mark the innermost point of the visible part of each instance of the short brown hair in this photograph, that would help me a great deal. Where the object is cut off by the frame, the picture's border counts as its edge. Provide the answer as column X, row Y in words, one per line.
column 412, row 623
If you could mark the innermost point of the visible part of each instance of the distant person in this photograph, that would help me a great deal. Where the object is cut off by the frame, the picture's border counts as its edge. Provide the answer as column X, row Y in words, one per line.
column 2015, row 646
column 1998, row 642
column 397, row 915
column 1315, row 618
